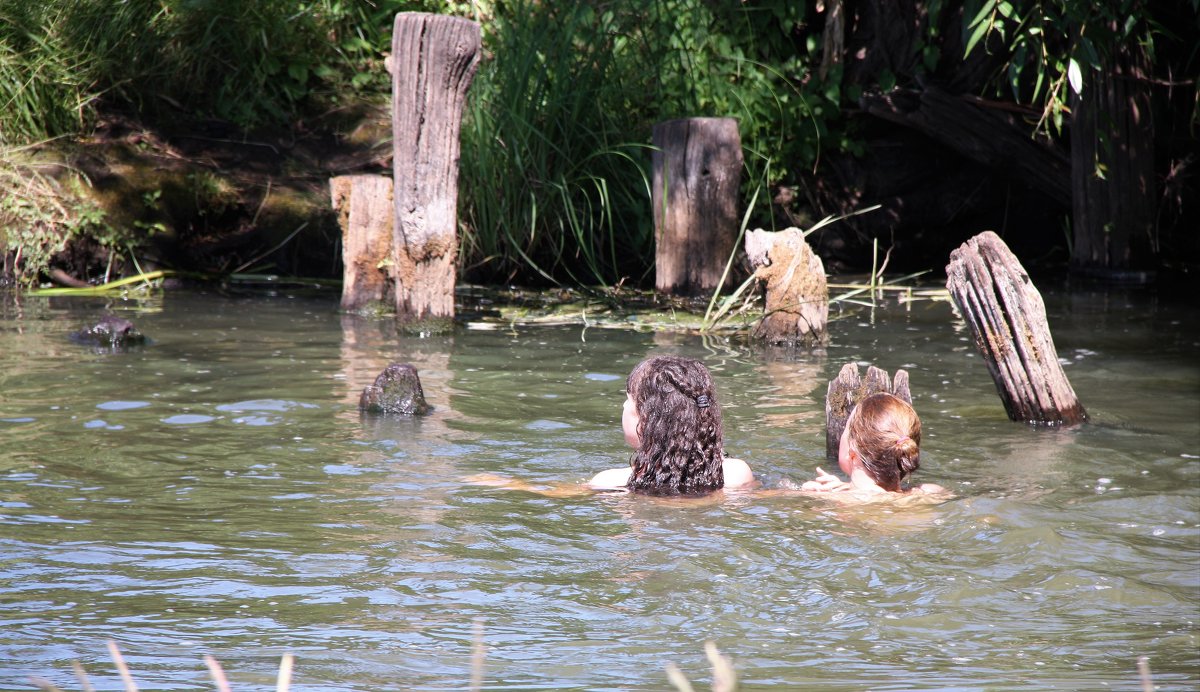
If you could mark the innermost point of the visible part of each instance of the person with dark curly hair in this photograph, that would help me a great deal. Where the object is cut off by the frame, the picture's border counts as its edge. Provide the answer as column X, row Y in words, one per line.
column 880, row 448
column 672, row 419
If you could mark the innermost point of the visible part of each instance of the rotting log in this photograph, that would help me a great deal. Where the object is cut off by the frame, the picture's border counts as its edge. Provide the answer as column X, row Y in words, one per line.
column 697, row 170
column 363, row 204
column 1007, row 319
column 849, row 388
column 797, row 296
column 434, row 59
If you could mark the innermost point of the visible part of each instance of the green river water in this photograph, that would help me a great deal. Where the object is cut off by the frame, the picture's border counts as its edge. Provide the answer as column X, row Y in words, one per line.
column 217, row 492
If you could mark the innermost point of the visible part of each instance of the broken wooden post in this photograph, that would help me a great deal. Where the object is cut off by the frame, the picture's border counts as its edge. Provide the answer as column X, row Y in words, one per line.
column 363, row 204
column 434, row 58
column 1008, row 320
column 849, row 388
column 697, row 171
column 797, row 305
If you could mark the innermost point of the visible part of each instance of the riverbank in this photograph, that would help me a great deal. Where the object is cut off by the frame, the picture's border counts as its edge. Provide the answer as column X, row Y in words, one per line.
column 199, row 196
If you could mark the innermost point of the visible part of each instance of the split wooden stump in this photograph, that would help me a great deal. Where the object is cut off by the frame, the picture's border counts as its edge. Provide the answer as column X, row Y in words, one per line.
column 434, row 59
column 797, row 301
column 1007, row 318
column 697, row 170
column 849, row 388
column 363, row 204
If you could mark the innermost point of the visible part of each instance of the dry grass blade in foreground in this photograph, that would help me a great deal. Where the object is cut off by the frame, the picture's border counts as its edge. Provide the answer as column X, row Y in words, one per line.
column 724, row 676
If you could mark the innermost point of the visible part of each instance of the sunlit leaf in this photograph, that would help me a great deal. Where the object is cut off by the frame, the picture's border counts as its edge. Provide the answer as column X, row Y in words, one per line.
column 980, row 32
column 984, row 13
column 1075, row 76
column 1130, row 21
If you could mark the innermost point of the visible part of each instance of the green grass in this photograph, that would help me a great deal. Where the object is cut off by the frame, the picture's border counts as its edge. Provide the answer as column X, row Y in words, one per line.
column 554, row 185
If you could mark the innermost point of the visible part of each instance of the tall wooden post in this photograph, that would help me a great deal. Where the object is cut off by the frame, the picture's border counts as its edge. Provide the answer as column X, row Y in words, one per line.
column 1113, row 212
column 697, row 170
column 1008, row 320
column 434, row 58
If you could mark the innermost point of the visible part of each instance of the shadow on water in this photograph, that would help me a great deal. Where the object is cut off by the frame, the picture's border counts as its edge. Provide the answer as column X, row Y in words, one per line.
column 219, row 492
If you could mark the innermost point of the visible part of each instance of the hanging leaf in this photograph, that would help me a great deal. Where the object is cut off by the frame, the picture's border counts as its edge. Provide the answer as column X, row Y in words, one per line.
column 1075, row 76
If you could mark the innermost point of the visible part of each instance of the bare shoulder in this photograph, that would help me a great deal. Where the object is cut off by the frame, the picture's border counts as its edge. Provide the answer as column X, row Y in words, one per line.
column 931, row 489
column 737, row 473
column 610, row 479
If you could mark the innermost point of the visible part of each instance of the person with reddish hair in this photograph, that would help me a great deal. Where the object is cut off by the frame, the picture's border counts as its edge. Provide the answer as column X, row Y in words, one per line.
column 880, row 448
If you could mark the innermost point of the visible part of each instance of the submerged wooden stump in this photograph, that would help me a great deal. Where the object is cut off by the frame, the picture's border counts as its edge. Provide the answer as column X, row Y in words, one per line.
column 849, row 388
column 697, row 170
column 363, row 204
column 1008, row 321
column 797, row 304
column 434, row 58
column 397, row 390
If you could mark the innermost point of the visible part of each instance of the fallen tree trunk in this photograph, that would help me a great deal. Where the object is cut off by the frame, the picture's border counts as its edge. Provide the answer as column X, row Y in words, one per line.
column 977, row 133
column 1007, row 317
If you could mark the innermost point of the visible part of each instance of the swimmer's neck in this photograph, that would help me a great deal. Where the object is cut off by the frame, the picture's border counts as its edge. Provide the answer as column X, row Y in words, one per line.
column 862, row 482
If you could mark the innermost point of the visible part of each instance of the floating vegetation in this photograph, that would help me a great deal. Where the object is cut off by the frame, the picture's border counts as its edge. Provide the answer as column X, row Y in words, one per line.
column 646, row 310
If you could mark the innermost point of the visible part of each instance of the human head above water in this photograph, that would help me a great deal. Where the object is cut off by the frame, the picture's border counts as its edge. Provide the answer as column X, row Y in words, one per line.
column 883, row 436
column 678, row 425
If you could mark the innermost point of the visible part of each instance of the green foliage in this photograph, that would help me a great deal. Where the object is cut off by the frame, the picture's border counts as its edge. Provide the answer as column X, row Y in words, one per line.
column 252, row 62
column 556, row 142
column 555, row 165
column 40, row 215
column 1055, row 45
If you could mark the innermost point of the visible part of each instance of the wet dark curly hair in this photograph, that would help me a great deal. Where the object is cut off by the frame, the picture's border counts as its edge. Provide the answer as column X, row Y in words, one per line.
column 679, row 425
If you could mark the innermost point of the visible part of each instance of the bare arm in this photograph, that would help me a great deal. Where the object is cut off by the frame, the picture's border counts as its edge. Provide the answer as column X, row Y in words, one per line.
column 495, row 481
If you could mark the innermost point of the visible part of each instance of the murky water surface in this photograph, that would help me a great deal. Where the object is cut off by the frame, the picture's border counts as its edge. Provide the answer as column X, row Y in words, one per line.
column 217, row 492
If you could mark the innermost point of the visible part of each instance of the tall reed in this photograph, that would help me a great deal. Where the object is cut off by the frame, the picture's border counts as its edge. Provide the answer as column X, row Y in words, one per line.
column 556, row 143
column 553, row 174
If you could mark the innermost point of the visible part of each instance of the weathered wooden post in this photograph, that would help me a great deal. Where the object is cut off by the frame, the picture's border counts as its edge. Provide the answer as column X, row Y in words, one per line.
column 365, row 213
column 1113, row 216
column 434, row 58
column 1008, row 320
column 849, row 388
column 797, row 305
column 697, row 170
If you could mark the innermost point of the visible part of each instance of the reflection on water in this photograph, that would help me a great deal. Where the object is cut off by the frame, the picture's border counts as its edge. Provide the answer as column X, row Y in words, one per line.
column 219, row 492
